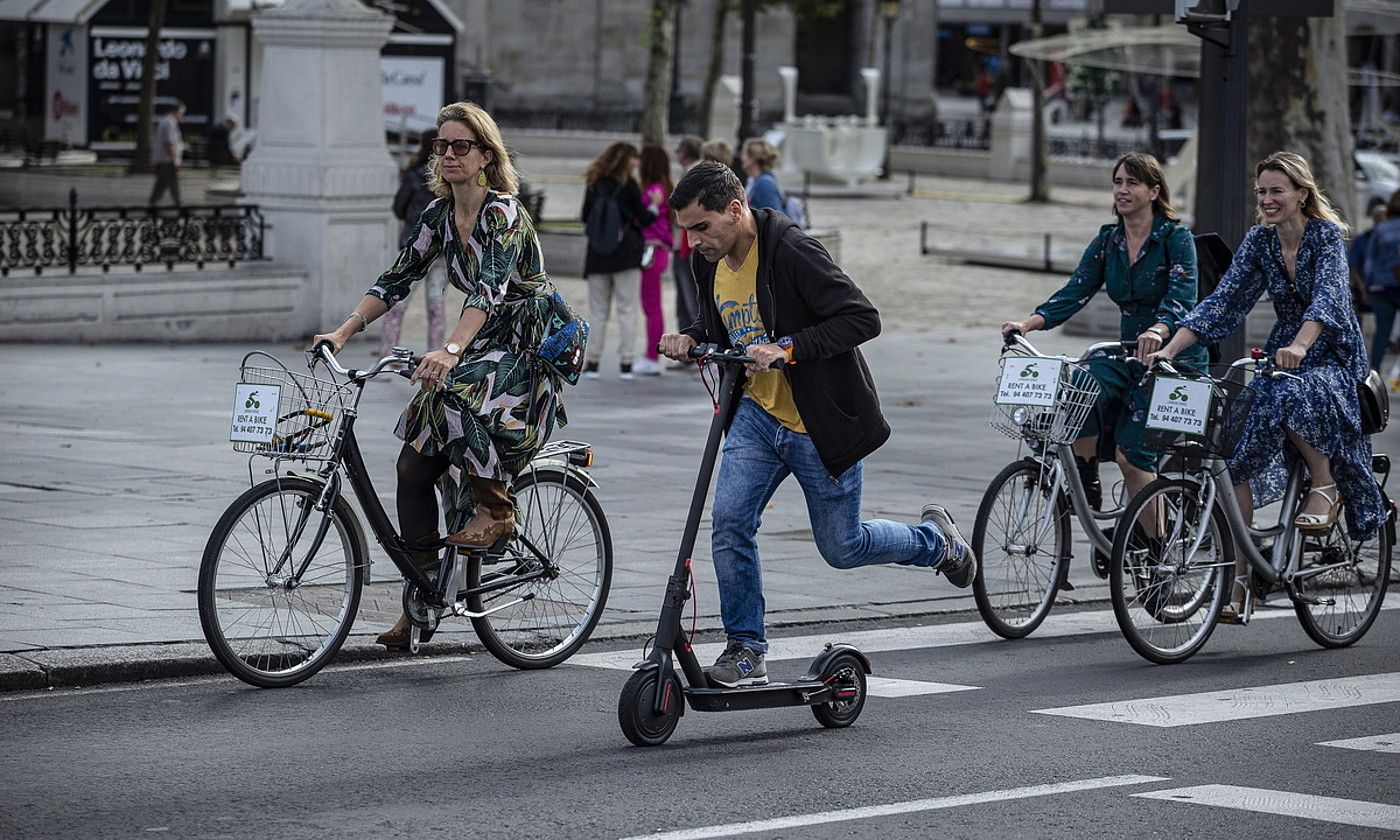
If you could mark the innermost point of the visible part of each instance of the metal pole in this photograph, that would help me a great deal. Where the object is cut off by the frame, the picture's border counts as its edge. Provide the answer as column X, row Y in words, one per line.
column 73, row 231
column 748, row 108
column 885, row 109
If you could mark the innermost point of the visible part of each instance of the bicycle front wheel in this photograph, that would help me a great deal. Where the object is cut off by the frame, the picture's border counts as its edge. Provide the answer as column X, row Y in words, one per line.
column 1170, row 572
column 1338, row 592
column 1022, row 543
column 562, row 557
column 275, row 602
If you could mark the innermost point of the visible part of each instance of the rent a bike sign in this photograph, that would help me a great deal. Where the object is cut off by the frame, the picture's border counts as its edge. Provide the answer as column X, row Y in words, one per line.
column 254, row 413
column 1028, row 380
column 1179, row 405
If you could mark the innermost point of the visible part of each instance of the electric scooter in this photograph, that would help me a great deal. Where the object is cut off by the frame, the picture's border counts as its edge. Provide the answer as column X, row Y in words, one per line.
column 654, row 697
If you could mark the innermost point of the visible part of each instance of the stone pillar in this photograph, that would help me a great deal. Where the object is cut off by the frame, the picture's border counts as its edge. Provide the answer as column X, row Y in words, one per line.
column 320, row 169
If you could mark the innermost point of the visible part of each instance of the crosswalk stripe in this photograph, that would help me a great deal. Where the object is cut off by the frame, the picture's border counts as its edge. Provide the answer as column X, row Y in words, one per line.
column 1369, row 743
column 1240, row 703
column 1285, row 803
column 890, row 687
column 894, row 808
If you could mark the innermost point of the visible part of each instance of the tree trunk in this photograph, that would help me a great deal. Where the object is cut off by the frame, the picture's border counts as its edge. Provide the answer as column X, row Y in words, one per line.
column 1040, row 149
column 707, row 96
column 657, row 95
column 1298, row 100
column 146, row 113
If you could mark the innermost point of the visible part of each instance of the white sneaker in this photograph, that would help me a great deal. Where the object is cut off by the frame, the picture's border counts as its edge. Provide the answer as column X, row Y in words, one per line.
column 590, row 370
column 646, row 367
column 625, row 373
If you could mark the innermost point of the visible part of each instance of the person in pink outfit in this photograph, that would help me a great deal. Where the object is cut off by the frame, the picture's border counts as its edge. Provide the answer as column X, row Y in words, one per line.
column 656, row 176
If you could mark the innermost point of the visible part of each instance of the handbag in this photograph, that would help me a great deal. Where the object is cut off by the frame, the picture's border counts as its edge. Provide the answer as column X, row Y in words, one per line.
column 1374, row 398
column 564, row 341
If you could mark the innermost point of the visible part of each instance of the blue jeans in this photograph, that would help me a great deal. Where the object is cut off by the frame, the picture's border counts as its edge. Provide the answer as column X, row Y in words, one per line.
column 1383, row 304
column 759, row 452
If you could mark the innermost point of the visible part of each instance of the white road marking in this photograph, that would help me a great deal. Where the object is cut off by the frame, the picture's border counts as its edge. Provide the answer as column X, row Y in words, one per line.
column 1286, row 803
column 890, row 687
column 893, row 808
column 1241, row 703
column 1370, row 743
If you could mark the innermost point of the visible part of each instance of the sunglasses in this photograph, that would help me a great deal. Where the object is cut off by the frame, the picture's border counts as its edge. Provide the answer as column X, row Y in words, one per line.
column 461, row 148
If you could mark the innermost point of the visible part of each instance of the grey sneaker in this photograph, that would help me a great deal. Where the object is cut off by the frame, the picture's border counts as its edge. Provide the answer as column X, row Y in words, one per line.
column 738, row 666
column 959, row 564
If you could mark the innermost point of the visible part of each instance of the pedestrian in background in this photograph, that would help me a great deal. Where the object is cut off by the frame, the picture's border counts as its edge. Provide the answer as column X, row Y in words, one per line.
column 1381, row 272
column 410, row 201
column 658, row 239
column 167, row 153
column 613, row 216
column 719, row 151
column 758, row 159
column 687, row 308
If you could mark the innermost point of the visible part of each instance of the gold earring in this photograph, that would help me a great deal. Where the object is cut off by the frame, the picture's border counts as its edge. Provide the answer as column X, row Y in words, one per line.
column 481, row 178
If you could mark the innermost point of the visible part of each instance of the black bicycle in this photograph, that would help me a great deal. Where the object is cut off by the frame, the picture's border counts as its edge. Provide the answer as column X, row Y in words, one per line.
column 282, row 573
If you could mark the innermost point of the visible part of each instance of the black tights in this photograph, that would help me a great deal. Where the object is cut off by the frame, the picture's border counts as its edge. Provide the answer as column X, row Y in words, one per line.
column 417, row 494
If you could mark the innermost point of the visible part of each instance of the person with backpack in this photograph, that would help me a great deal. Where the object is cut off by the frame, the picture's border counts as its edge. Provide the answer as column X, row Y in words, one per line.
column 758, row 157
column 613, row 218
column 410, row 201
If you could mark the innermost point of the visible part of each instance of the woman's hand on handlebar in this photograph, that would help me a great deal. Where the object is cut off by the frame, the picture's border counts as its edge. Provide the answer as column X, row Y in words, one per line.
column 1148, row 345
column 676, row 346
column 1009, row 328
column 1156, row 356
column 433, row 368
column 1290, row 357
column 337, row 340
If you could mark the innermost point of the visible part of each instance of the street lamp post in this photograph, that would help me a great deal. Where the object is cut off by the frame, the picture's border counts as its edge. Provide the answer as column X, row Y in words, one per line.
column 889, row 11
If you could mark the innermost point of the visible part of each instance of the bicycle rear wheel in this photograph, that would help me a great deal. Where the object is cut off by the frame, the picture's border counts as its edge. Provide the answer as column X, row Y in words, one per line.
column 562, row 537
column 1022, row 545
column 270, row 621
column 1170, row 572
column 1338, row 592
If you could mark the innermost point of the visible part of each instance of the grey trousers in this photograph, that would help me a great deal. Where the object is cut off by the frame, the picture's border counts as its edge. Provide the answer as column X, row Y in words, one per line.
column 617, row 294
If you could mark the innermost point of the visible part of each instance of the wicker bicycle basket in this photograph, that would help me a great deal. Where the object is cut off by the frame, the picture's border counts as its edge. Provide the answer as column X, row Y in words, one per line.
column 1229, row 408
column 308, row 413
column 1075, row 395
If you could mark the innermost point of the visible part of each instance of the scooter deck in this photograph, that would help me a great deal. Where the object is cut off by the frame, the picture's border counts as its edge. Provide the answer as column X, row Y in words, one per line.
column 772, row 695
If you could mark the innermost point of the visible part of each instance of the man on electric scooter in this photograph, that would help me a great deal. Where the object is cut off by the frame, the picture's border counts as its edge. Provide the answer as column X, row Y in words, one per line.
column 769, row 288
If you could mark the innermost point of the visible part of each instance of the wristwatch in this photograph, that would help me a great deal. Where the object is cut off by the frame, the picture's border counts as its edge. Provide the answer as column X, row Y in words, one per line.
column 453, row 348
column 786, row 344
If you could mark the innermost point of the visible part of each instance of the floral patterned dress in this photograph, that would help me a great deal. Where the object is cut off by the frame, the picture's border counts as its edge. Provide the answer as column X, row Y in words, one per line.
column 1321, row 408
column 501, row 403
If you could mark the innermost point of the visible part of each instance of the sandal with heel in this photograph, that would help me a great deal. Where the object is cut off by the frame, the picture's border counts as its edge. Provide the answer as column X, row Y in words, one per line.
column 1321, row 521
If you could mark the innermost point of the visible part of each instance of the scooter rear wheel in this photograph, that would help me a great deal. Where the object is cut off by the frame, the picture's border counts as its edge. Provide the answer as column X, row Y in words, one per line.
column 636, row 707
column 847, row 674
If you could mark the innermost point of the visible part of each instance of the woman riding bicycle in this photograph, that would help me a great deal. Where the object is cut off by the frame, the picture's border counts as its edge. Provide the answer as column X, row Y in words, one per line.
column 486, row 402
column 1147, row 261
column 1297, row 253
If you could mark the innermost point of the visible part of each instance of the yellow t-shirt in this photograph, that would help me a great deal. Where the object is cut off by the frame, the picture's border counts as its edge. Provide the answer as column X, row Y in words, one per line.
column 737, row 301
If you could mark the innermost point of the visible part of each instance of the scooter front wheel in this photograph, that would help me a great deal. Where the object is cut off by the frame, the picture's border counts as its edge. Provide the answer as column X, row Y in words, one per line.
column 846, row 674
column 636, row 708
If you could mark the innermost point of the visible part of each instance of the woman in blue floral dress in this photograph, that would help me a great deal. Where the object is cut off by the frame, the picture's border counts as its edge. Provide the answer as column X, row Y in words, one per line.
column 486, row 401
column 1298, row 255
column 1147, row 263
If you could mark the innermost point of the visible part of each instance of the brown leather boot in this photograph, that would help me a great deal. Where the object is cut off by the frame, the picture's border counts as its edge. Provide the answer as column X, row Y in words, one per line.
column 396, row 638
column 495, row 515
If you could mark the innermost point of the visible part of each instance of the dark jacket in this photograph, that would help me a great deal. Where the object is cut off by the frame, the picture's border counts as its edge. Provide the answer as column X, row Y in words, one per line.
column 803, row 294
column 411, row 200
column 635, row 216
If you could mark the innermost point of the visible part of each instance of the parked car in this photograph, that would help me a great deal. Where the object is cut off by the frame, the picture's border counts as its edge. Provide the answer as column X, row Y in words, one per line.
column 1377, row 178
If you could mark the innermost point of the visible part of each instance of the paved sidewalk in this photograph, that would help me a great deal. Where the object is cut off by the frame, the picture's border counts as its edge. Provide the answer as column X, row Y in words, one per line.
column 116, row 466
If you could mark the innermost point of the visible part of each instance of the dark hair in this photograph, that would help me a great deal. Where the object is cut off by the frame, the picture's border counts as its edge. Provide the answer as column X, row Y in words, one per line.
column 656, row 167
column 1392, row 207
column 689, row 145
column 1148, row 170
column 614, row 162
column 709, row 182
column 425, row 149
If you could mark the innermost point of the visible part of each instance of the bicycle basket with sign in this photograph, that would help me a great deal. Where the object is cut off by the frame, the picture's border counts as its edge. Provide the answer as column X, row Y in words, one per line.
column 1055, row 412
column 1225, row 417
column 279, row 413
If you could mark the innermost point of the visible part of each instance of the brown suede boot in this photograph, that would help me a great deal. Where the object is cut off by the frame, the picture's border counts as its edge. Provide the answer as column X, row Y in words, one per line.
column 396, row 638
column 495, row 515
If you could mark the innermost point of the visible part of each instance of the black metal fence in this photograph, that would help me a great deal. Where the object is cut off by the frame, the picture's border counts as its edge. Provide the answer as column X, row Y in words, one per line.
column 134, row 237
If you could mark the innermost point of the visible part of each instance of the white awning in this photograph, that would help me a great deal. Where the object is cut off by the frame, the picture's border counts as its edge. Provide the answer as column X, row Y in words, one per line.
column 50, row 11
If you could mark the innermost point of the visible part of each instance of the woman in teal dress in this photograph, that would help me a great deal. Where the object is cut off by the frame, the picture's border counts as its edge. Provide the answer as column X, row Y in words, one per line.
column 1147, row 262
column 486, row 402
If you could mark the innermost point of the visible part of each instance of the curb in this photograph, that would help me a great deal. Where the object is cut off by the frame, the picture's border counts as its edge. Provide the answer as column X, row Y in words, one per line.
column 82, row 667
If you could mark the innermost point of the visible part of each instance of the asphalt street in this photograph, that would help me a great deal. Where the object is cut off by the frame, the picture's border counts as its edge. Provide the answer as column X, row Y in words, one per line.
column 986, row 741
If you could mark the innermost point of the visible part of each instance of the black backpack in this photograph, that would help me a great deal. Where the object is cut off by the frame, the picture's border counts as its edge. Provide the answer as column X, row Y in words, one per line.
column 604, row 225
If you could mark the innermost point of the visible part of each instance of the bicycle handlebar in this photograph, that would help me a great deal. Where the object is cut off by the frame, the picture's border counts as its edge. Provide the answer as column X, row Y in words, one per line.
column 323, row 353
column 713, row 353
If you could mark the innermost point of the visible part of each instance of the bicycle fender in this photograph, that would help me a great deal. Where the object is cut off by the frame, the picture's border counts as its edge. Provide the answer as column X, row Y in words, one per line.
column 560, row 465
column 831, row 651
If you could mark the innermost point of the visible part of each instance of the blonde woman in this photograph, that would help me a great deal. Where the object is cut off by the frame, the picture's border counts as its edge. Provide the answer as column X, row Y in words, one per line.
column 486, row 401
column 758, row 157
column 1297, row 253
